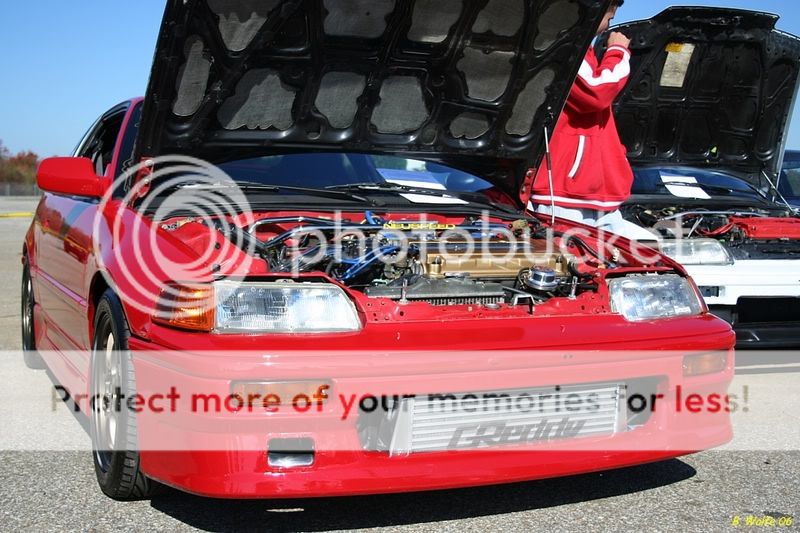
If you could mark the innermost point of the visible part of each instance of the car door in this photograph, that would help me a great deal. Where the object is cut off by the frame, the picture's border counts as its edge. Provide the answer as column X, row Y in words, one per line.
column 65, row 241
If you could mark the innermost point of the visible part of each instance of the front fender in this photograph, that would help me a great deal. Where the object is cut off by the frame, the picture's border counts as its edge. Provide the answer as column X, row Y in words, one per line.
column 138, row 258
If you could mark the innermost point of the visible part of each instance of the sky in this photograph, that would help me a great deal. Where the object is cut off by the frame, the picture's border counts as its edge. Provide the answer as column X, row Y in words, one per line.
column 65, row 63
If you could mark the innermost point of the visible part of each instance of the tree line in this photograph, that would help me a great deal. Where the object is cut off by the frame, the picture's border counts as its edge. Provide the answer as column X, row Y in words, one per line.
column 19, row 168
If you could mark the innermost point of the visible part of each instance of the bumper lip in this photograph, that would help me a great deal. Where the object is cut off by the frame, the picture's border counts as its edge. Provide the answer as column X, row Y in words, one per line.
column 440, row 473
column 765, row 336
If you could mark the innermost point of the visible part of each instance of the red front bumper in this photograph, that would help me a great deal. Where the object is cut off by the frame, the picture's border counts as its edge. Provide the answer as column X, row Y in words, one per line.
column 225, row 454
column 246, row 475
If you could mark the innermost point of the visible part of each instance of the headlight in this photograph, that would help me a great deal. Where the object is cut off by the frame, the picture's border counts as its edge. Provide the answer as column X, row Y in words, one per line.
column 697, row 252
column 283, row 307
column 651, row 297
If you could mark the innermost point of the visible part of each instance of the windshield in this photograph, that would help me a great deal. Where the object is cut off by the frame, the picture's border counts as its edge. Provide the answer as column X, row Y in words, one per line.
column 790, row 176
column 339, row 170
column 692, row 183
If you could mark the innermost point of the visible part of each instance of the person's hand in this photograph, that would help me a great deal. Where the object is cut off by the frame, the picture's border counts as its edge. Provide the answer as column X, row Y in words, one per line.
column 618, row 39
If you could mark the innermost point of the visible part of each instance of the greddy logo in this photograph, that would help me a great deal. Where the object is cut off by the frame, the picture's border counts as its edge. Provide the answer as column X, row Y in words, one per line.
column 411, row 226
column 493, row 434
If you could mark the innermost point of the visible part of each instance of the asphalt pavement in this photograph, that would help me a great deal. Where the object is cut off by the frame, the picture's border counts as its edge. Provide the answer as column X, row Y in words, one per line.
column 757, row 477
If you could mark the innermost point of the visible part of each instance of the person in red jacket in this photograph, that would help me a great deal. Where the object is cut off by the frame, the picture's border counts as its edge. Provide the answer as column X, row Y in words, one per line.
column 591, row 176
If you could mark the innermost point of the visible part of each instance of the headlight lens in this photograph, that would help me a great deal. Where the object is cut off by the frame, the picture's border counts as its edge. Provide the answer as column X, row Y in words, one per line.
column 283, row 307
column 697, row 252
column 640, row 298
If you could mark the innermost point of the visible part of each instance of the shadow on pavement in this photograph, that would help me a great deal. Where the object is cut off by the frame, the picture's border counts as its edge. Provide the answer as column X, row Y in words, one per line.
column 401, row 509
column 750, row 363
column 746, row 358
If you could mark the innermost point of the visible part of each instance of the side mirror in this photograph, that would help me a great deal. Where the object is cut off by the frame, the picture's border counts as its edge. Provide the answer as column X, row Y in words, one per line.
column 70, row 175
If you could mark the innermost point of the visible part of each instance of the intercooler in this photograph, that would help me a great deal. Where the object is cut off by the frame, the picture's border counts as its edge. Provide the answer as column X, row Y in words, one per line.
column 441, row 422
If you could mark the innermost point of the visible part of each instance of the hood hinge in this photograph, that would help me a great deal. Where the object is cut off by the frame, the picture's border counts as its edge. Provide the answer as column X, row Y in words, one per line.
column 143, row 177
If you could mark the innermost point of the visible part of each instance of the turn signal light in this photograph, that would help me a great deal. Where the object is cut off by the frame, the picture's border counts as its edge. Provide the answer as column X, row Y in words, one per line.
column 705, row 363
column 186, row 307
column 299, row 394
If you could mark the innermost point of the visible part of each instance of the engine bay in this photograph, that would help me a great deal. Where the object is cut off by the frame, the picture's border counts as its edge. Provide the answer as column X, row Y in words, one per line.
column 732, row 226
column 437, row 259
column 441, row 263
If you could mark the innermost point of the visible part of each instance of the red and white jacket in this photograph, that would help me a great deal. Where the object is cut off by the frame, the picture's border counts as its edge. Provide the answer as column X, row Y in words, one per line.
column 590, row 167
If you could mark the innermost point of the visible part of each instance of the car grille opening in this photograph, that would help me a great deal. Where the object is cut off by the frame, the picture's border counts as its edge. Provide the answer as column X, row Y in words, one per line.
column 290, row 453
column 768, row 310
column 464, row 301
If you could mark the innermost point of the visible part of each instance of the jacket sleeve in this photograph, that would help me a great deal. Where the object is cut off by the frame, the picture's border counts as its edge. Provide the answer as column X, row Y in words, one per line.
column 596, row 89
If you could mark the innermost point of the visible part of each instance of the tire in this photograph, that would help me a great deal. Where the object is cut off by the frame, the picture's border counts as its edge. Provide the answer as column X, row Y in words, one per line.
column 113, row 431
column 32, row 358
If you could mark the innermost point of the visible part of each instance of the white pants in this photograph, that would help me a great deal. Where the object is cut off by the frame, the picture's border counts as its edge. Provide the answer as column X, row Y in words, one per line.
column 611, row 222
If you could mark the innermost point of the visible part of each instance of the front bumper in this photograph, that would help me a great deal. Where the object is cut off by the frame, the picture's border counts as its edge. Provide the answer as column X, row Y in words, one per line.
column 225, row 454
column 755, row 330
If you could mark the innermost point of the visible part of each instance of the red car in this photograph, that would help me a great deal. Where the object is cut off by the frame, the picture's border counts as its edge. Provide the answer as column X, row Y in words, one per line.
column 317, row 216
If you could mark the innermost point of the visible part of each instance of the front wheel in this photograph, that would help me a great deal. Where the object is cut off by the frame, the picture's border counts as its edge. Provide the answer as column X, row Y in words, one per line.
column 32, row 358
column 112, row 425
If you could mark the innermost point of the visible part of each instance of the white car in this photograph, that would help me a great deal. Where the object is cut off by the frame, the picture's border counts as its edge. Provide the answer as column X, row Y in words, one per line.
column 705, row 117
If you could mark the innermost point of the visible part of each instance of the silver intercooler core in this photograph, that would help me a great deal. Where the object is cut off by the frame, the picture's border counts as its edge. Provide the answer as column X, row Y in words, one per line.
column 443, row 422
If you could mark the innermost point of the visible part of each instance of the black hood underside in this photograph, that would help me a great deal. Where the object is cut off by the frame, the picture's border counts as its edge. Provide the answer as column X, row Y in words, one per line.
column 468, row 83
column 709, row 87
